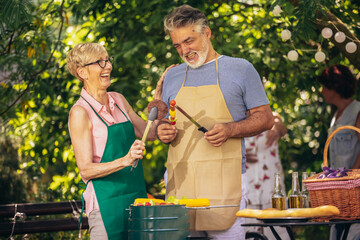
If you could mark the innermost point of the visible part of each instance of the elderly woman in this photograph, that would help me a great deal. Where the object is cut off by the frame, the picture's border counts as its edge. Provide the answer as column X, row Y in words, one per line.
column 103, row 127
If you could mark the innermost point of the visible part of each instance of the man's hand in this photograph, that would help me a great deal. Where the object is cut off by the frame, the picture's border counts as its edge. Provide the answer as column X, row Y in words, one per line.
column 166, row 132
column 219, row 134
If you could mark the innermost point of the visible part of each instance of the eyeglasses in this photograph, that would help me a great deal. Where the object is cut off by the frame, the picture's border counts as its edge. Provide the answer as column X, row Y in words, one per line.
column 102, row 63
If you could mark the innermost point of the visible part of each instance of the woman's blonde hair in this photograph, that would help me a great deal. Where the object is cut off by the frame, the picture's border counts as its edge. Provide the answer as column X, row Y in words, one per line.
column 82, row 54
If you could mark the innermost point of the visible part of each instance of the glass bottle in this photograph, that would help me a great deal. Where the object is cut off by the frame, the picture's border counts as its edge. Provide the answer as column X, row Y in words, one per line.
column 278, row 198
column 304, row 192
column 312, row 174
column 295, row 194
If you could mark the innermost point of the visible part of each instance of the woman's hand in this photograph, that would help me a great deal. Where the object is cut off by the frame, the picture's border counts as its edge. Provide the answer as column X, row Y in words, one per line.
column 276, row 132
column 136, row 152
column 272, row 136
column 159, row 85
column 251, row 156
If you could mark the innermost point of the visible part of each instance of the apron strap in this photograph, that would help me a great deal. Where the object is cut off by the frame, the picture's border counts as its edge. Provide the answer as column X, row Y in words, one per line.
column 217, row 71
column 187, row 67
column 95, row 112
column 100, row 116
column 83, row 203
column 122, row 112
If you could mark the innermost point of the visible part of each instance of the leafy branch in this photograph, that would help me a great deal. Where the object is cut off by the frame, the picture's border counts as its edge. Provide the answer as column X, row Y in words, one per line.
column 33, row 76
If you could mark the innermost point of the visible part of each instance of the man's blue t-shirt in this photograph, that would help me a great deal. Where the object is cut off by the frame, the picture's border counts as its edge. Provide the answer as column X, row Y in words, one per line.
column 239, row 82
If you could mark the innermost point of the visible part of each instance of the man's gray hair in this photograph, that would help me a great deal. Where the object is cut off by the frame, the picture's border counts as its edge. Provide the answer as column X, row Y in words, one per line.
column 183, row 16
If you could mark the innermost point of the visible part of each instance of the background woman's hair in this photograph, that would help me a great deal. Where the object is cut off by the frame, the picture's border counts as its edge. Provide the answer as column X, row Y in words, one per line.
column 340, row 79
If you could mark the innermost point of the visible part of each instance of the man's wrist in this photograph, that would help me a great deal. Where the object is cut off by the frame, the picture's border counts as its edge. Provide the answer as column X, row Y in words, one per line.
column 229, row 129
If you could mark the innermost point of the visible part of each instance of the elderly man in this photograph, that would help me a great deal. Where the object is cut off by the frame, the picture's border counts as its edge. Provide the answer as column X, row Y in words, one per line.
column 216, row 91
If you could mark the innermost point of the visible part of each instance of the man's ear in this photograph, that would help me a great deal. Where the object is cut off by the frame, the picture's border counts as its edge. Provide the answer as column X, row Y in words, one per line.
column 208, row 32
column 81, row 71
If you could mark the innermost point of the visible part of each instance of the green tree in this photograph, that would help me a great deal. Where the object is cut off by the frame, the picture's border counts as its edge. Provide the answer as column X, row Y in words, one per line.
column 29, row 109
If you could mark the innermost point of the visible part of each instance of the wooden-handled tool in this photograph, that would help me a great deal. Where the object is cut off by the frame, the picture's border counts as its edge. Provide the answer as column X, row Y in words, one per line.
column 152, row 116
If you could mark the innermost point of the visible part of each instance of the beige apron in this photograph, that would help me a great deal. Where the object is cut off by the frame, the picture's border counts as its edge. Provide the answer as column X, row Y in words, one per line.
column 196, row 169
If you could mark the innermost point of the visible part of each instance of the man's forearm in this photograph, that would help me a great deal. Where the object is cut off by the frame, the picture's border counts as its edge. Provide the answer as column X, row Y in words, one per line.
column 256, row 123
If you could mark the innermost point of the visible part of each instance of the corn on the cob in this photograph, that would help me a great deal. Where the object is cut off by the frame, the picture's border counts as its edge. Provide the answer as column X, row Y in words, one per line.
column 144, row 200
column 199, row 202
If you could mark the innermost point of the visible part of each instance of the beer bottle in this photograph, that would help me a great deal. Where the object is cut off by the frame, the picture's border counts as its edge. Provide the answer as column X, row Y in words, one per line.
column 295, row 194
column 278, row 198
column 305, row 192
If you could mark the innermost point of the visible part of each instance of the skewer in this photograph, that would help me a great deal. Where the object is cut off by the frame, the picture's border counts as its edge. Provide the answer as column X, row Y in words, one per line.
column 172, row 112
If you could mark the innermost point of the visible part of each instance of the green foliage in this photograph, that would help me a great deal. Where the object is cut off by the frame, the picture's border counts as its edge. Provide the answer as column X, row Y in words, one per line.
column 68, row 235
column 310, row 232
column 37, row 91
column 14, row 13
column 12, row 183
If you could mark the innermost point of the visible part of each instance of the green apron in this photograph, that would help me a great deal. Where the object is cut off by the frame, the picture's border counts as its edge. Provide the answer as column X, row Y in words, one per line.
column 118, row 190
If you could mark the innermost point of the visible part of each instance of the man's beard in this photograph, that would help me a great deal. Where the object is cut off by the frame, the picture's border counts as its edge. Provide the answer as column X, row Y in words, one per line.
column 202, row 54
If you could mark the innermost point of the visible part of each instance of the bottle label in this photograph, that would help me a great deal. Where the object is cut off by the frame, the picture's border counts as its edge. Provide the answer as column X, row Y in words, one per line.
column 278, row 203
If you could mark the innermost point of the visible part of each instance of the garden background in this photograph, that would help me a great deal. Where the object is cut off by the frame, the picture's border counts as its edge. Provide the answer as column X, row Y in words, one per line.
column 37, row 162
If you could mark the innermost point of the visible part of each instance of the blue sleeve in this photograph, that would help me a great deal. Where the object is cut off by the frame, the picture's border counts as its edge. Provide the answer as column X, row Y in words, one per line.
column 254, row 93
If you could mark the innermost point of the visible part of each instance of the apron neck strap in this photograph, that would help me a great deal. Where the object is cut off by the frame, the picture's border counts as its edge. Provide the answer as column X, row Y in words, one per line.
column 95, row 112
column 217, row 72
column 122, row 111
column 100, row 116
